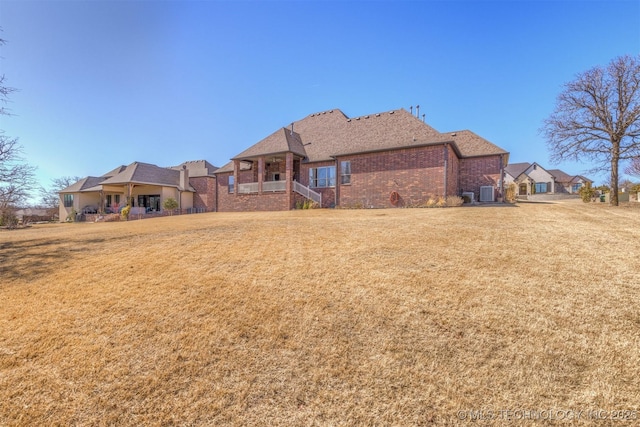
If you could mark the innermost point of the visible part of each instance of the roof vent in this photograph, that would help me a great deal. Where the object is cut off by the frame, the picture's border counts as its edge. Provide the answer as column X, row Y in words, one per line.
column 378, row 115
column 391, row 112
column 454, row 134
column 366, row 117
column 357, row 118
column 348, row 120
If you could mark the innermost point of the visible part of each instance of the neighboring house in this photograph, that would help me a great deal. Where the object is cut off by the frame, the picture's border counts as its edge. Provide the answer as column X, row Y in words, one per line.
column 378, row 160
column 566, row 183
column 34, row 215
column 531, row 178
column 145, row 187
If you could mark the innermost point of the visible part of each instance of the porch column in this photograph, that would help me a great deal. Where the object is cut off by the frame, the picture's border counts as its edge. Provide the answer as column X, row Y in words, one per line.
column 446, row 167
column 236, row 169
column 289, row 178
column 129, row 195
column 260, row 173
column 501, row 180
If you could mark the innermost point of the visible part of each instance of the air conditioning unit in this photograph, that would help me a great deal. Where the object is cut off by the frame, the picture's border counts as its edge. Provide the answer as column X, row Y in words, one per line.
column 487, row 193
column 470, row 195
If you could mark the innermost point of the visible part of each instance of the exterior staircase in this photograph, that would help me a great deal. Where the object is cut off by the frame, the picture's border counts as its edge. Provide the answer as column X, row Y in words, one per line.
column 307, row 192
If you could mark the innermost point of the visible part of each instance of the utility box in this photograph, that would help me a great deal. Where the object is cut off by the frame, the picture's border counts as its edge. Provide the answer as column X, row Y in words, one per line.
column 487, row 193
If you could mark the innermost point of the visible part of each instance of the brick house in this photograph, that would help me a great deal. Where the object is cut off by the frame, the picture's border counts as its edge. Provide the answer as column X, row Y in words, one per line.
column 375, row 161
column 380, row 160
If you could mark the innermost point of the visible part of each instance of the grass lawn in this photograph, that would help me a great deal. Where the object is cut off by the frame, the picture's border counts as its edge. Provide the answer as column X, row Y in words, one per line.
column 323, row 317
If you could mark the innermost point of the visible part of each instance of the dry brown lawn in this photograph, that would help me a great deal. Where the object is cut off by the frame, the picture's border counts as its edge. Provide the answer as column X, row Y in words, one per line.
column 325, row 317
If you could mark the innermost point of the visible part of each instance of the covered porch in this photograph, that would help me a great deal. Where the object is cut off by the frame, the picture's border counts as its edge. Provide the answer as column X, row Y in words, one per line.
column 266, row 173
column 143, row 198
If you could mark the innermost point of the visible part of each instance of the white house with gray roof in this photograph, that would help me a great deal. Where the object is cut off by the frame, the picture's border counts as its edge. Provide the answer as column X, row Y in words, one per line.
column 531, row 179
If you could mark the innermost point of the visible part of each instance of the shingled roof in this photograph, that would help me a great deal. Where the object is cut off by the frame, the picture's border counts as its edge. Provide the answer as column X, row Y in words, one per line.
column 517, row 169
column 329, row 134
column 281, row 141
column 145, row 173
column 85, row 184
column 473, row 145
column 114, row 172
column 564, row 177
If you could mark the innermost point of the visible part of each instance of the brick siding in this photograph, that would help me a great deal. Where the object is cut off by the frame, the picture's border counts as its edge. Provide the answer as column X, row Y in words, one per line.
column 205, row 195
column 414, row 173
column 230, row 202
column 479, row 171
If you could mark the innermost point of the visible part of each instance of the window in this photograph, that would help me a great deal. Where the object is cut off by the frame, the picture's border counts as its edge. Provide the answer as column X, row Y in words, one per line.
column 322, row 177
column 231, row 184
column 345, row 172
column 68, row 200
column 117, row 198
column 576, row 187
column 541, row 187
column 151, row 202
column 108, row 200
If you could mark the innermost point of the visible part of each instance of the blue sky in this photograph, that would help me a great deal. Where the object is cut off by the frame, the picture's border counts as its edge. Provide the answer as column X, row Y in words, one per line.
column 104, row 83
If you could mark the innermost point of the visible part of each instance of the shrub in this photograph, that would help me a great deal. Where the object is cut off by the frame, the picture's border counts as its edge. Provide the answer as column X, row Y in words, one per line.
column 310, row 204
column 431, row 202
column 72, row 216
column 170, row 204
column 587, row 193
column 8, row 219
column 454, row 201
column 124, row 213
column 510, row 193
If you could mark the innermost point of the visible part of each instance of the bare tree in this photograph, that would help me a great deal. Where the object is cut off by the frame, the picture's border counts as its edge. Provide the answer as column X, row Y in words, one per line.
column 5, row 91
column 17, row 178
column 597, row 117
column 50, row 196
column 634, row 167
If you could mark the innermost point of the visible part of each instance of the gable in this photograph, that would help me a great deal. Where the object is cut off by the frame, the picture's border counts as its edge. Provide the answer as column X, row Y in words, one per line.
column 538, row 173
column 281, row 141
column 517, row 169
column 473, row 145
